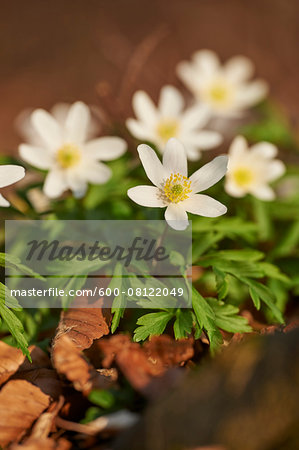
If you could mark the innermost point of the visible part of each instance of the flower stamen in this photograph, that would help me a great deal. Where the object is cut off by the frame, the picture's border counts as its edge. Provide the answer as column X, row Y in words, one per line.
column 243, row 176
column 219, row 93
column 167, row 129
column 68, row 155
column 176, row 188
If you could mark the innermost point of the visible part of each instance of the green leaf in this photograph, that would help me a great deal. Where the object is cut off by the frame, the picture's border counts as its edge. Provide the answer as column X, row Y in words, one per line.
column 272, row 271
column 231, row 227
column 245, row 269
column 9, row 300
column 151, row 324
column 119, row 302
column 221, row 283
column 202, row 244
column 102, row 398
column 266, row 295
column 288, row 242
column 176, row 259
column 255, row 298
column 262, row 217
column 246, row 254
column 15, row 327
column 182, row 326
column 227, row 317
column 12, row 262
column 206, row 319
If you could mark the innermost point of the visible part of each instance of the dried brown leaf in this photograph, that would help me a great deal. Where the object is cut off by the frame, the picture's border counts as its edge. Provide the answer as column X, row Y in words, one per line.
column 43, row 444
column 39, row 436
column 83, row 325
column 141, row 364
column 21, row 403
column 10, row 360
column 169, row 352
column 39, row 372
column 70, row 362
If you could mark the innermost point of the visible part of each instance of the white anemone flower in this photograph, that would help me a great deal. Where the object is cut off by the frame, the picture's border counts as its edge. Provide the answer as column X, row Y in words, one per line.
column 9, row 174
column 225, row 89
column 173, row 189
column 59, row 111
column 72, row 160
column 170, row 119
column 251, row 169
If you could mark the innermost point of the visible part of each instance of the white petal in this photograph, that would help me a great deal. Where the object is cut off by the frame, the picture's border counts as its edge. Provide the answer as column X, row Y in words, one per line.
column 205, row 140
column 10, row 174
column 206, row 61
column 152, row 165
column 209, row 174
column 239, row 68
column 105, row 148
column 195, row 117
column 237, row 151
column 275, row 169
column 233, row 189
column 144, row 108
column 263, row 192
column 48, row 128
column 55, row 183
column 97, row 173
column 3, row 201
column 187, row 73
column 77, row 122
column 264, row 149
column 176, row 217
column 146, row 196
column 203, row 205
column 171, row 102
column 76, row 181
column 251, row 93
column 139, row 130
column 38, row 157
column 174, row 157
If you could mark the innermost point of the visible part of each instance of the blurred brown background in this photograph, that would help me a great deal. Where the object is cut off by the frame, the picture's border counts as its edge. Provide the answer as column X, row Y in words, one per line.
column 60, row 50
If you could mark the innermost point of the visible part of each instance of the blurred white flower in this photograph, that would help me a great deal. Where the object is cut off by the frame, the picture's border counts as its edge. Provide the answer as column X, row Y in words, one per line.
column 59, row 111
column 9, row 174
column 169, row 119
column 225, row 89
column 251, row 169
column 172, row 187
column 72, row 160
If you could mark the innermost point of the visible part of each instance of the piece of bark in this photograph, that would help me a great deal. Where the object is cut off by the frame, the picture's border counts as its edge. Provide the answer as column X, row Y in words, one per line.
column 21, row 403
column 247, row 398
column 70, row 362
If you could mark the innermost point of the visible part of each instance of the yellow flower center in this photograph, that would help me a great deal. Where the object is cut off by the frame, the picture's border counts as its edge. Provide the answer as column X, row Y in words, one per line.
column 243, row 176
column 219, row 92
column 176, row 188
column 68, row 156
column 167, row 129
